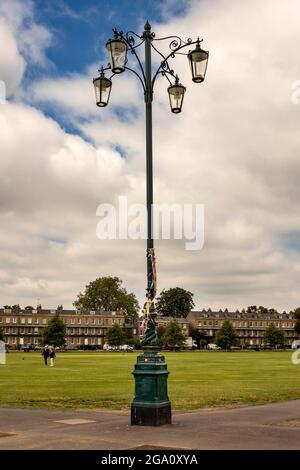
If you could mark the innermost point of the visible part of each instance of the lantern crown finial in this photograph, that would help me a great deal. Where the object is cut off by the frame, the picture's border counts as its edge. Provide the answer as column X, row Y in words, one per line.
column 147, row 26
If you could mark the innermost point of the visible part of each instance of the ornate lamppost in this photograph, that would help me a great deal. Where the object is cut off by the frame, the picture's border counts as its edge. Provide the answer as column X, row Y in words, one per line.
column 151, row 405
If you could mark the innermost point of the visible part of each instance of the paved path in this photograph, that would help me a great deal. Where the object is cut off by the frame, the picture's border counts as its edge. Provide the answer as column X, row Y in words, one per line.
column 275, row 426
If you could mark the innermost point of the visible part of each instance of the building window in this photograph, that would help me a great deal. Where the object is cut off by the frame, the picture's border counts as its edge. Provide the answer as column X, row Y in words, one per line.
column 7, row 320
column 44, row 321
column 29, row 320
column 14, row 320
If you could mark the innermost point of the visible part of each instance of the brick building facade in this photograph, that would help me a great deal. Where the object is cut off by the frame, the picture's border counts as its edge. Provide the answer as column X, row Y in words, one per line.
column 250, row 327
column 84, row 327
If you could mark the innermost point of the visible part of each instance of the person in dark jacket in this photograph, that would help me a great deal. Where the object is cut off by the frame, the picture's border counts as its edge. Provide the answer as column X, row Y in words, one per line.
column 45, row 354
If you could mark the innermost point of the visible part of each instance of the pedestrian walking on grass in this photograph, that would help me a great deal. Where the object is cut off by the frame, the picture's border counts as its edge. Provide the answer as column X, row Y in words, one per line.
column 45, row 354
column 51, row 355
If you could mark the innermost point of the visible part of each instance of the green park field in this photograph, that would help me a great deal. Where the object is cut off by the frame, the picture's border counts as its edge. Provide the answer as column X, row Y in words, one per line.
column 104, row 380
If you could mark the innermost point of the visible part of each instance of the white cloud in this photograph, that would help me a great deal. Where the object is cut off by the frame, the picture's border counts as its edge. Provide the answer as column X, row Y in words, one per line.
column 22, row 41
column 32, row 38
column 233, row 148
column 11, row 62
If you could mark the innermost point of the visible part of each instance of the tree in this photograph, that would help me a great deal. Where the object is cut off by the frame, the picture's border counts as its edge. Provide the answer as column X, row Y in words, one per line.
column 200, row 336
column 115, row 335
column 252, row 309
column 1, row 333
column 272, row 310
column 173, row 335
column 226, row 336
column 160, row 330
column 274, row 336
column 297, row 318
column 55, row 332
column 107, row 293
column 202, row 343
column 175, row 302
column 262, row 309
column 297, row 313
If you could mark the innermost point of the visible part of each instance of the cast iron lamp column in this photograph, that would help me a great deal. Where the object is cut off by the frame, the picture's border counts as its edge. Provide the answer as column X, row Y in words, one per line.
column 151, row 405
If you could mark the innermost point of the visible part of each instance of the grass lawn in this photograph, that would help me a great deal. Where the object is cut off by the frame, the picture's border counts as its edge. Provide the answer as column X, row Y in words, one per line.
column 103, row 380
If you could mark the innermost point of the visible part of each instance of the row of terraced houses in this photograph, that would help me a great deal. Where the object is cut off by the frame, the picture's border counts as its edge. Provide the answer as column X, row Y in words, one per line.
column 89, row 327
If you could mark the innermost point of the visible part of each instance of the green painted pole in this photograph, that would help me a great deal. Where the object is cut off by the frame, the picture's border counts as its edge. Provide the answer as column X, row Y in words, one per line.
column 151, row 405
column 149, row 151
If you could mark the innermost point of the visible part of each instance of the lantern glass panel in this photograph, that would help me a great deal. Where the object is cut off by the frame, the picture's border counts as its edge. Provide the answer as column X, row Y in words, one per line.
column 176, row 94
column 117, row 55
column 102, row 87
column 198, row 63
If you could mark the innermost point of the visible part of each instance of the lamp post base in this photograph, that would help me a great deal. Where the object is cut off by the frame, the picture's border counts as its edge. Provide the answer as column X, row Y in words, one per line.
column 157, row 415
column 151, row 405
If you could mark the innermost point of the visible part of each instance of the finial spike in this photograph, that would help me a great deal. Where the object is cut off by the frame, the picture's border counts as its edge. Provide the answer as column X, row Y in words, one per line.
column 147, row 26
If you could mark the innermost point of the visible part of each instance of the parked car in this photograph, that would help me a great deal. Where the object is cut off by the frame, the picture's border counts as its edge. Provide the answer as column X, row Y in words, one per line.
column 296, row 344
column 90, row 347
column 266, row 348
column 213, row 346
column 25, row 347
column 107, row 347
column 126, row 348
column 70, row 348
column 253, row 347
column 235, row 348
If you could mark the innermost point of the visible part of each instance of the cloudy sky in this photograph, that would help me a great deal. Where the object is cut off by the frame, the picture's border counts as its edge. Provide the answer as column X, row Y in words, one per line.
column 235, row 148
